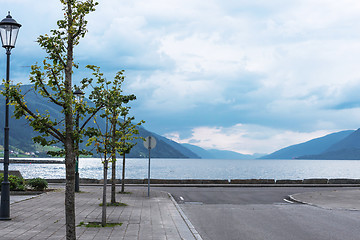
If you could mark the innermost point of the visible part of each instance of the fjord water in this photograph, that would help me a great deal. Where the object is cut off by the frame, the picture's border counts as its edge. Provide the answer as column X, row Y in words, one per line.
column 202, row 169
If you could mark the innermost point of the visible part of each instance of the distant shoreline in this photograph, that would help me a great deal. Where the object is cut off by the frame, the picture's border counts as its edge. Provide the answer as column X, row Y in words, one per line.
column 39, row 161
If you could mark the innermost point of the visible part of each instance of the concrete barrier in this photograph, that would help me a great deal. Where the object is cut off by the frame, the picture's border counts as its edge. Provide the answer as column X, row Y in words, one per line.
column 162, row 181
column 344, row 181
column 315, row 181
column 216, row 181
column 289, row 181
column 53, row 180
column 322, row 181
column 190, row 181
column 252, row 181
column 117, row 181
column 187, row 181
column 145, row 181
column 133, row 181
column 89, row 181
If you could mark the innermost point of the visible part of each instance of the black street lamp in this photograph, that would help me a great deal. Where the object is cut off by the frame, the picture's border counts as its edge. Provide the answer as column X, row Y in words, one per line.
column 9, row 30
column 78, row 94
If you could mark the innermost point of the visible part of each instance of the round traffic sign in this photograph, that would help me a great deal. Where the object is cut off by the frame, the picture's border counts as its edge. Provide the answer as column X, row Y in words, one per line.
column 150, row 142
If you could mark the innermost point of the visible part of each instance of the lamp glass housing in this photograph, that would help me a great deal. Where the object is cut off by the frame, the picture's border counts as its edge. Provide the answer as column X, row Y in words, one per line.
column 9, row 30
column 78, row 94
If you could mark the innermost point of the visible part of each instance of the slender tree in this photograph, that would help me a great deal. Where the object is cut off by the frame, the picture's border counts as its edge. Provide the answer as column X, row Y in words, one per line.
column 101, row 139
column 53, row 80
column 129, row 132
column 107, row 95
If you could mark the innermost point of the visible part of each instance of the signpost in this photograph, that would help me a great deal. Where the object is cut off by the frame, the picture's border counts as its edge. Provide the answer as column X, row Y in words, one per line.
column 149, row 143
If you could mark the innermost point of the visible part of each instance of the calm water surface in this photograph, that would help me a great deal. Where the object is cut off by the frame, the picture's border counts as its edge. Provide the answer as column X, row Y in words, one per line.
column 203, row 169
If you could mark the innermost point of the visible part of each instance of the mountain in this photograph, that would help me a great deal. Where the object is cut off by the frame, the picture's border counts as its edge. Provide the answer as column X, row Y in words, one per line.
column 349, row 142
column 344, row 154
column 198, row 150
column 21, row 133
column 224, row 154
column 179, row 147
column 312, row 147
column 347, row 148
column 165, row 148
column 217, row 154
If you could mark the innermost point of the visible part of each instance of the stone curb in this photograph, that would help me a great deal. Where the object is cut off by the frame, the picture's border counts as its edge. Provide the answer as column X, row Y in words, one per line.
column 20, row 198
column 187, row 221
column 22, row 193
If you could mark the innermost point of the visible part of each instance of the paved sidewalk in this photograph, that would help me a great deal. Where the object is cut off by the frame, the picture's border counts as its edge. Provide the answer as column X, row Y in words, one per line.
column 332, row 199
column 42, row 217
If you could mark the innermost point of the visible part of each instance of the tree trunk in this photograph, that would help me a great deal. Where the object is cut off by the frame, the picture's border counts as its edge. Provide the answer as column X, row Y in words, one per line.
column 69, row 139
column 70, row 195
column 113, row 157
column 113, row 179
column 123, row 166
column 103, row 219
column 123, row 175
column 70, row 174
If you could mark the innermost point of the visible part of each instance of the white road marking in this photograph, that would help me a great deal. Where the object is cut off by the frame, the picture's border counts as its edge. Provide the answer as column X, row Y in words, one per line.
column 181, row 198
column 288, row 201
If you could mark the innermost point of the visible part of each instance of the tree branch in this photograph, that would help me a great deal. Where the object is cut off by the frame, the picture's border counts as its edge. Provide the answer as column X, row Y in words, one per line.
column 57, row 84
column 49, row 95
column 56, row 79
column 80, row 28
column 55, row 133
column 92, row 115
column 59, row 56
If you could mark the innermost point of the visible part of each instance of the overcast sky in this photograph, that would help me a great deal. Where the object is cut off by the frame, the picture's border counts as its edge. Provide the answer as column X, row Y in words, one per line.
column 242, row 75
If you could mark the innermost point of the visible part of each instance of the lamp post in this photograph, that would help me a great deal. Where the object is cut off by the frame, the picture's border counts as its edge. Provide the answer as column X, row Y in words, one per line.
column 9, row 29
column 78, row 94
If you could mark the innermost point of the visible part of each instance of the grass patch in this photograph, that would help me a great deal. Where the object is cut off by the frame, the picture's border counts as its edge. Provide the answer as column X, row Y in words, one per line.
column 97, row 224
column 117, row 204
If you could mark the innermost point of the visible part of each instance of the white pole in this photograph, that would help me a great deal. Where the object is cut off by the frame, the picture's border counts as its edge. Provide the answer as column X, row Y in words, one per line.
column 149, row 147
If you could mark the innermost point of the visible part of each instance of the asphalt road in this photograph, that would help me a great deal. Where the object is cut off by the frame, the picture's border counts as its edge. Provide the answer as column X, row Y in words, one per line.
column 262, row 213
